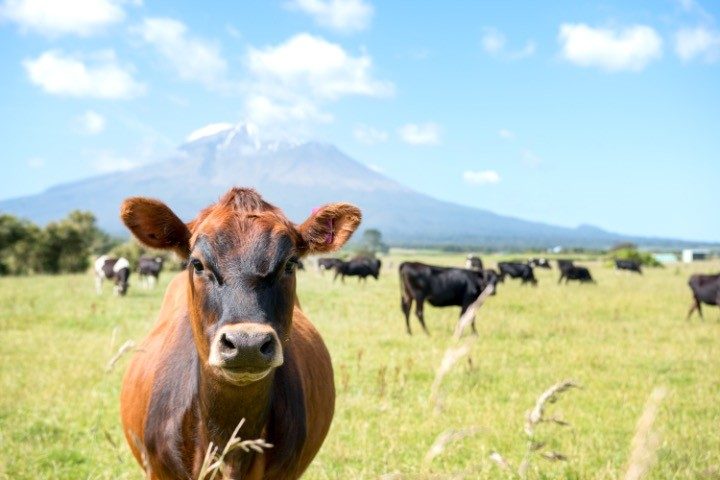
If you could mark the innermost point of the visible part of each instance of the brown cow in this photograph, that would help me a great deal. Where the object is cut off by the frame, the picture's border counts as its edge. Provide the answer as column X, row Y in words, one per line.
column 231, row 341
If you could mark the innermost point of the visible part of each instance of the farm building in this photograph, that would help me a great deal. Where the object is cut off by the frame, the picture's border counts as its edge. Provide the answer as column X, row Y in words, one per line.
column 690, row 255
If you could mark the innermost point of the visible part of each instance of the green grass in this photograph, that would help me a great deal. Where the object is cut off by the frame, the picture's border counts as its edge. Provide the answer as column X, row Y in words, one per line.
column 618, row 339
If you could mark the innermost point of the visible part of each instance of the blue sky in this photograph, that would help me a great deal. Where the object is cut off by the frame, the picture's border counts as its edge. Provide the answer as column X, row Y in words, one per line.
column 566, row 112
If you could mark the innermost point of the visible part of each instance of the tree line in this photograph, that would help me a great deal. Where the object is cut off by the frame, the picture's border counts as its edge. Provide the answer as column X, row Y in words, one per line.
column 68, row 245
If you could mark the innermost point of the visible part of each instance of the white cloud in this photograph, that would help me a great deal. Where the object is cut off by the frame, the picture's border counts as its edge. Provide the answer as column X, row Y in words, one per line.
column 192, row 58
column 325, row 68
column 631, row 48
column 506, row 134
column 376, row 168
column 60, row 74
column 339, row 15
column 35, row 162
column 107, row 161
column 58, row 17
column 481, row 177
column 698, row 42
column 494, row 43
column 267, row 110
column 91, row 122
column 292, row 82
column 369, row 135
column 208, row 130
column 420, row 134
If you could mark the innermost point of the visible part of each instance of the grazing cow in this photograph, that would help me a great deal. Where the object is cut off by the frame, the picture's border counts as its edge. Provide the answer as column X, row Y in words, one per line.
column 328, row 263
column 523, row 271
column 231, row 342
column 473, row 263
column 440, row 286
column 149, row 269
column 576, row 272
column 705, row 289
column 361, row 267
column 117, row 269
column 539, row 263
column 630, row 265
column 563, row 266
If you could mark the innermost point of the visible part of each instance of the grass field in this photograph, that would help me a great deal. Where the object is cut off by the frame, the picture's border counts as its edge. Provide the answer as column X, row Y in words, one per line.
column 619, row 339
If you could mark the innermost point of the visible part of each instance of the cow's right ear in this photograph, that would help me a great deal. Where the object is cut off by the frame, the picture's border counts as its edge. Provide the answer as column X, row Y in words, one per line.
column 155, row 225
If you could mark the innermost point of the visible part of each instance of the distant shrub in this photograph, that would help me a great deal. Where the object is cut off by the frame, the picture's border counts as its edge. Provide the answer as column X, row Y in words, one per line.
column 646, row 259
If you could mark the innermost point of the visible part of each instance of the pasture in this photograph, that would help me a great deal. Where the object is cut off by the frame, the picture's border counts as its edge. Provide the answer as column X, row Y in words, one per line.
column 618, row 339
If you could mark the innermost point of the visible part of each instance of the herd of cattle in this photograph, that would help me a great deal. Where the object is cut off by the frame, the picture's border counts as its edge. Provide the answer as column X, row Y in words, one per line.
column 117, row 270
column 440, row 286
column 232, row 347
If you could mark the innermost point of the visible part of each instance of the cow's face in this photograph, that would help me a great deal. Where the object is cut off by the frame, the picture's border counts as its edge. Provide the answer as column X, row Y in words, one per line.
column 242, row 253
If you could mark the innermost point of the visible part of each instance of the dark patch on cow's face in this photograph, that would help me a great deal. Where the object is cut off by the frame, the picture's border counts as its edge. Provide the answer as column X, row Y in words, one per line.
column 242, row 276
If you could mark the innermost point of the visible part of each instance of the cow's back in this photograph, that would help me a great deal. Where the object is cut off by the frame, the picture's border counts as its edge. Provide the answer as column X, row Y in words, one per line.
column 706, row 288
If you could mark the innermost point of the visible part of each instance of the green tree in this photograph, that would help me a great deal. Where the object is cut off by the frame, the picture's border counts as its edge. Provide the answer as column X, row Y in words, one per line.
column 66, row 245
column 18, row 246
column 371, row 242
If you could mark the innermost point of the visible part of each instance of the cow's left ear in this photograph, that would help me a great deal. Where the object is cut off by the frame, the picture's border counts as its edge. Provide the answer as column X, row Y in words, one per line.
column 155, row 225
column 329, row 227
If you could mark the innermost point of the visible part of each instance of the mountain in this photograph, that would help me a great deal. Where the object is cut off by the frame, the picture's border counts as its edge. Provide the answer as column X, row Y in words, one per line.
column 298, row 177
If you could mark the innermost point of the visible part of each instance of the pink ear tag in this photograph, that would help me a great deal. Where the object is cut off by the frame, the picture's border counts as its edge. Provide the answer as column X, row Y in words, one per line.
column 331, row 234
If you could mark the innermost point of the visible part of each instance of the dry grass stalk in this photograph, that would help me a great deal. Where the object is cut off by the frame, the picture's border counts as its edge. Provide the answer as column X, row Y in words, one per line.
column 452, row 355
column 532, row 419
column 445, row 438
column 500, row 461
column 212, row 463
column 645, row 442
column 469, row 315
column 113, row 337
column 124, row 348
column 536, row 415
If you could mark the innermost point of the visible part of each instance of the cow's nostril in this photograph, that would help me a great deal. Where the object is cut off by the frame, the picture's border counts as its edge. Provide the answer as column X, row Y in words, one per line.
column 267, row 347
column 226, row 343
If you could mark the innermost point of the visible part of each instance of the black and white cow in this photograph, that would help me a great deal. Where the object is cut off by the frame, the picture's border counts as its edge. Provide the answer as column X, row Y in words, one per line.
column 539, row 262
column 117, row 269
column 149, row 269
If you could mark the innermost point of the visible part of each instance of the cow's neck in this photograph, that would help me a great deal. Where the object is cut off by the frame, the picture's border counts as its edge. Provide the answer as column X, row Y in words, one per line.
column 222, row 406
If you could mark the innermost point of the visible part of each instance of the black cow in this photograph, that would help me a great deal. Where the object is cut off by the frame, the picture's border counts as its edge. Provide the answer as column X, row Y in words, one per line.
column 540, row 263
column 328, row 263
column 361, row 267
column 440, row 286
column 117, row 269
column 523, row 271
column 564, row 265
column 473, row 263
column 149, row 269
column 630, row 265
column 576, row 272
column 705, row 289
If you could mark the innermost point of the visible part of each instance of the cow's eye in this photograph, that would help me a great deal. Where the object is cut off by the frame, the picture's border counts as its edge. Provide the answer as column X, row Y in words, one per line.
column 197, row 265
column 290, row 265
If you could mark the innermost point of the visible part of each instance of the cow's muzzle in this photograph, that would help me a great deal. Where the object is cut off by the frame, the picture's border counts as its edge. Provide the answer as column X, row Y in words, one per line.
column 246, row 352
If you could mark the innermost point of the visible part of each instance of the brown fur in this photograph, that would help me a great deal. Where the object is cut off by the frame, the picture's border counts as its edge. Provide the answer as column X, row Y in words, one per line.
column 170, row 399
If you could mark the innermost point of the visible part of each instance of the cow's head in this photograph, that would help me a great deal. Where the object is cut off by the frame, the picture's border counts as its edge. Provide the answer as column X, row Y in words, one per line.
column 241, row 257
